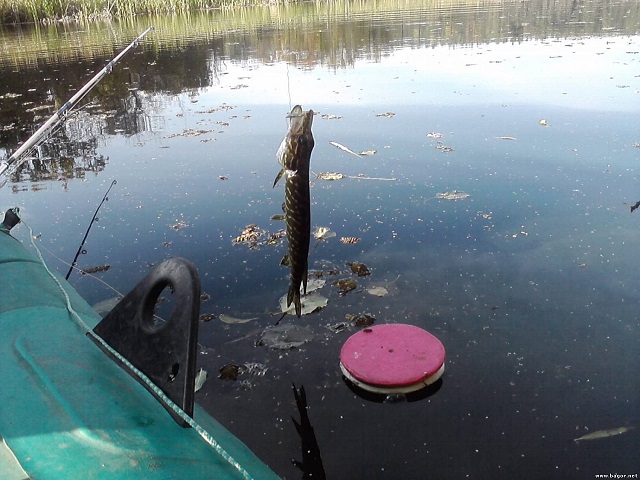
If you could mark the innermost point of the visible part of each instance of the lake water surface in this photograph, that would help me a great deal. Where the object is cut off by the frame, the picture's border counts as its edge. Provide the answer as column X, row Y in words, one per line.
column 530, row 281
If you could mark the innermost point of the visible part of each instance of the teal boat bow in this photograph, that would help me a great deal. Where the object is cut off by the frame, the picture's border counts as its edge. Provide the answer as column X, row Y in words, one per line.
column 68, row 411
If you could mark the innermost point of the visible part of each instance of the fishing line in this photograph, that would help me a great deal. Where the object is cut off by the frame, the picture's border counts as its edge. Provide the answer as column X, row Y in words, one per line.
column 81, row 271
column 289, row 86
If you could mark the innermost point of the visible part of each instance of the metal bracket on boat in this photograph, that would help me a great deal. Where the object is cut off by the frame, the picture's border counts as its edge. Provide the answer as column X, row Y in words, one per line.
column 165, row 351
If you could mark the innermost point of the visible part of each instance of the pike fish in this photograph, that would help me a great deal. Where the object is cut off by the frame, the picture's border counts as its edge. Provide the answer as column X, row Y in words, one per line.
column 294, row 154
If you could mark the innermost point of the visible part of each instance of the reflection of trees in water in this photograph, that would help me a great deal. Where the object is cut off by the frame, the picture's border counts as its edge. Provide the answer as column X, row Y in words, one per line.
column 62, row 158
column 127, row 101
column 138, row 112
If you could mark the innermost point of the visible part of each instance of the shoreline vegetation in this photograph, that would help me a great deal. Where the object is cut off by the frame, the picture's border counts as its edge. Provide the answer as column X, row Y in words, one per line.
column 99, row 36
column 53, row 11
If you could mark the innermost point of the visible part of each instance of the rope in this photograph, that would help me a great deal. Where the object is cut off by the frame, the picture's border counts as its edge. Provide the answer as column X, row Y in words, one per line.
column 206, row 436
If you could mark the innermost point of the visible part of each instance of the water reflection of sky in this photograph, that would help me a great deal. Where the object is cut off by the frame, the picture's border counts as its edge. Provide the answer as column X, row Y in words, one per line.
column 563, row 72
column 531, row 282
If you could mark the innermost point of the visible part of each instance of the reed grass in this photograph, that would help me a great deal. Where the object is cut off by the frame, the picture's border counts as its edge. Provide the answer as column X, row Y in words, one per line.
column 45, row 11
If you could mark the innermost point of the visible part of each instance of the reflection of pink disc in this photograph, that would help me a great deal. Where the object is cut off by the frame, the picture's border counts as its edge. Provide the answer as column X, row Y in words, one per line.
column 392, row 358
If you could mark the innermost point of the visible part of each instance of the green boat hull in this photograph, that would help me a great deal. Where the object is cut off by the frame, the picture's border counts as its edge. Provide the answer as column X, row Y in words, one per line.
column 67, row 411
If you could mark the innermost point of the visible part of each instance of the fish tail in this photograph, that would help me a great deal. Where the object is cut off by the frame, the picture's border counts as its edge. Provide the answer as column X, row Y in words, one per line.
column 293, row 296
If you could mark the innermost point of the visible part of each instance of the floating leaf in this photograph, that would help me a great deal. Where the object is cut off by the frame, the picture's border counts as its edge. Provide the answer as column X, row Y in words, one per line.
column 229, row 371
column 386, row 114
column 274, row 238
column 330, row 116
column 434, row 135
column 359, row 269
column 377, row 291
column 368, row 152
column 201, row 377
column 229, row 319
column 330, row 176
column 346, row 149
column 277, row 217
column 453, row 195
column 338, row 327
column 444, row 148
column 362, row 320
column 207, row 317
column 249, row 235
column 543, row 122
column 349, row 240
column 253, row 368
column 99, row 268
column 345, row 285
column 313, row 285
column 506, row 138
column 603, row 434
column 323, row 233
column 286, row 336
column 310, row 303
column 362, row 176
column 180, row 224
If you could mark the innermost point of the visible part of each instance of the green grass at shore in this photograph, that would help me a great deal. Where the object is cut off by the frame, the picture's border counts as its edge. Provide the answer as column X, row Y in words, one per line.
column 43, row 11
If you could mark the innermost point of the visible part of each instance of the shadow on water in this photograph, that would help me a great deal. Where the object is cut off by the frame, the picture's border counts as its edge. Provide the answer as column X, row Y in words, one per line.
column 416, row 396
column 311, row 464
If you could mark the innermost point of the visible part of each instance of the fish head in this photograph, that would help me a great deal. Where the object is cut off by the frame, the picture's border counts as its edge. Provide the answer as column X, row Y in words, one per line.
column 295, row 152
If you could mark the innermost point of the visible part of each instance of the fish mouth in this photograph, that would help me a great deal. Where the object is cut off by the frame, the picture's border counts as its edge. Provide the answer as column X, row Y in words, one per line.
column 296, row 111
column 300, row 122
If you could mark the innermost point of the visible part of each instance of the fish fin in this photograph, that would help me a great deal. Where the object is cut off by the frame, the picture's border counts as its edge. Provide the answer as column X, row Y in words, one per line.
column 278, row 177
column 304, row 278
column 293, row 296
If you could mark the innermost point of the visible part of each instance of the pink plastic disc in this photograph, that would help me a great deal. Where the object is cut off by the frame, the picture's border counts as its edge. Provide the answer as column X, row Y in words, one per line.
column 392, row 357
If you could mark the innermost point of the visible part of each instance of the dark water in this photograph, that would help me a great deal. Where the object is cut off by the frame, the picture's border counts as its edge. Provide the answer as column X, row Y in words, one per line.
column 530, row 282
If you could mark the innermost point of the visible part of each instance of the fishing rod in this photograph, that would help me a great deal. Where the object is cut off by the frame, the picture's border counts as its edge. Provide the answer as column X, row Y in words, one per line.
column 86, row 234
column 14, row 160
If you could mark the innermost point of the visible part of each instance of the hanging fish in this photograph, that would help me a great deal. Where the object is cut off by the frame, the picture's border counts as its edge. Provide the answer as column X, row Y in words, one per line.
column 294, row 154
